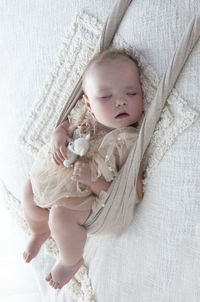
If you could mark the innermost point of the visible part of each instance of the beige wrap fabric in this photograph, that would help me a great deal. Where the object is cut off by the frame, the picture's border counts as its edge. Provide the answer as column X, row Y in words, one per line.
column 117, row 211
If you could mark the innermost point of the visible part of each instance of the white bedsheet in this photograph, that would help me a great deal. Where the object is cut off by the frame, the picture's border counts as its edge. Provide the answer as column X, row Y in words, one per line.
column 17, row 282
column 158, row 259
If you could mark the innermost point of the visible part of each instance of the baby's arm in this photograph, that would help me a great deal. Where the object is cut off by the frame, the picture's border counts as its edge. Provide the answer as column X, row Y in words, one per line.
column 82, row 173
column 59, row 140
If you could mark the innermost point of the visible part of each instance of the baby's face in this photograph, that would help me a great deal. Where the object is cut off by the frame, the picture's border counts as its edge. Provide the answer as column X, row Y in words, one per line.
column 113, row 92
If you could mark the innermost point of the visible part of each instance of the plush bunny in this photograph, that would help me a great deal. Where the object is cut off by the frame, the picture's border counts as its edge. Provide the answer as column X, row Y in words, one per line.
column 78, row 147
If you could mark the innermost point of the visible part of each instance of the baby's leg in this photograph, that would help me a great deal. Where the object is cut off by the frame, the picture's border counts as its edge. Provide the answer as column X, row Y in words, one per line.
column 37, row 219
column 70, row 236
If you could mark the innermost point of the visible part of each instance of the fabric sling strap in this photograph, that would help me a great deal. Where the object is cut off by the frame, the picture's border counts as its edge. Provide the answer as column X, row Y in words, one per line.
column 119, row 207
column 108, row 32
column 118, row 210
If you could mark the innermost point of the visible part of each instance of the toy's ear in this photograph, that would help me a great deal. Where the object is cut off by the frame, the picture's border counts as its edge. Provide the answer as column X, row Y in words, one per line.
column 85, row 97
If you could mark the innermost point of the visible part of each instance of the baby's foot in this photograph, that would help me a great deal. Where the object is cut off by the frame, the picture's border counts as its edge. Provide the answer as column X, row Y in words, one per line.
column 62, row 274
column 34, row 246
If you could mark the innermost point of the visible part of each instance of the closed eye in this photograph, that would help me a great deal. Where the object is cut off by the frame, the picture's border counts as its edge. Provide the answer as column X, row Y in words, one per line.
column 131, row 93
column 105, row 97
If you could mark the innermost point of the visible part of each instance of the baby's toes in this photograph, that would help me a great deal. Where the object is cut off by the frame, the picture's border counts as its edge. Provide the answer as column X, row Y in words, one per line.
column 51, row 283
column 48, row 277
column 57, row 285
column 54, row 284
column 26, row 257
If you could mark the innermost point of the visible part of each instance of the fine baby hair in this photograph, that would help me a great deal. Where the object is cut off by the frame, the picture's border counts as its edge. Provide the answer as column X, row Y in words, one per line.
column 103, row 56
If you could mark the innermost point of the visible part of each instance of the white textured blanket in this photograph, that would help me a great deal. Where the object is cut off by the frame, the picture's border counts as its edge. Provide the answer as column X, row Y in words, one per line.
column 153, row 260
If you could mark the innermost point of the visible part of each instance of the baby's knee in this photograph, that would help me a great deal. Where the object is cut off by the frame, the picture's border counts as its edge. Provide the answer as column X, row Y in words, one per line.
column 59, row 217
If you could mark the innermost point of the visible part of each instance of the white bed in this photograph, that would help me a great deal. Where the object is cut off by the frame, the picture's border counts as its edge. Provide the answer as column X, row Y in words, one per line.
column 158, row 258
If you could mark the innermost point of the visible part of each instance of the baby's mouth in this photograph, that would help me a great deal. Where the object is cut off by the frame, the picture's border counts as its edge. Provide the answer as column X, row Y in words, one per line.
column 122, row 115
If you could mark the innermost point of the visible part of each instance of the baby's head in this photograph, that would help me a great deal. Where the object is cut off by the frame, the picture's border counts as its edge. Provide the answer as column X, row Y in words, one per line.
column 112, row 89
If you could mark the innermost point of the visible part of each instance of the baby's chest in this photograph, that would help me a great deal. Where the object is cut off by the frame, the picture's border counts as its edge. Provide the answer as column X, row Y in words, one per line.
column 94, row 147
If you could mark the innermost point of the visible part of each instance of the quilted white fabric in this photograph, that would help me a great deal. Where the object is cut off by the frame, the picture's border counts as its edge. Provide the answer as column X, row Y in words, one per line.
column 158, row 258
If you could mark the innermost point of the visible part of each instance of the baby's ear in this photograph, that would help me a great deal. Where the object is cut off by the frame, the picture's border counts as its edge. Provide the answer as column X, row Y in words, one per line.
column 85, row 97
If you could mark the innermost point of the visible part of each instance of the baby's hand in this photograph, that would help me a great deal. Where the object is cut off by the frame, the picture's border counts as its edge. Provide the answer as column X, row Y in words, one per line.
column 82, row 173
column 59, row 141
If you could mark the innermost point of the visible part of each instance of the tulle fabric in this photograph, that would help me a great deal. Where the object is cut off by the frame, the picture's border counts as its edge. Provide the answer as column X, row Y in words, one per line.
column 52, row 184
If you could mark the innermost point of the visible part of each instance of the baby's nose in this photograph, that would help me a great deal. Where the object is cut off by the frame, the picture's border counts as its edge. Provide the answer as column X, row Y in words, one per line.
column 121, row 101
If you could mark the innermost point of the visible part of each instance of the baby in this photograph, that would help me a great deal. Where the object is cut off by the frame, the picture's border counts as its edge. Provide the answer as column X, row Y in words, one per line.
column 58, row 200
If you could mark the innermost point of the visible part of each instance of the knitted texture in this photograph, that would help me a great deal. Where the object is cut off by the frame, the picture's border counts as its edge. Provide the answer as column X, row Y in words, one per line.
column 161, row 249
column 83, row 34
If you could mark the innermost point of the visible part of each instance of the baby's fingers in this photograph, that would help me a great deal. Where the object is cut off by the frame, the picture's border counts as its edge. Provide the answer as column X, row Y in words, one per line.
column 78, row 168
column 63, row 153
column 58, row 158
column 79, row 164
column 69, row 139
column 81, row 168
column 55, row 159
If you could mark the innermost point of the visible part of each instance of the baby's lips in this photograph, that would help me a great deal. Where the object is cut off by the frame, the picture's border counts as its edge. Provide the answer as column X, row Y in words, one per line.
column 121, row 114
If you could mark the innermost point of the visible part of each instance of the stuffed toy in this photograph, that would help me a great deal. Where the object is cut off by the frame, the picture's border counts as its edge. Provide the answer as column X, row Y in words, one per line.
column 78, row 147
